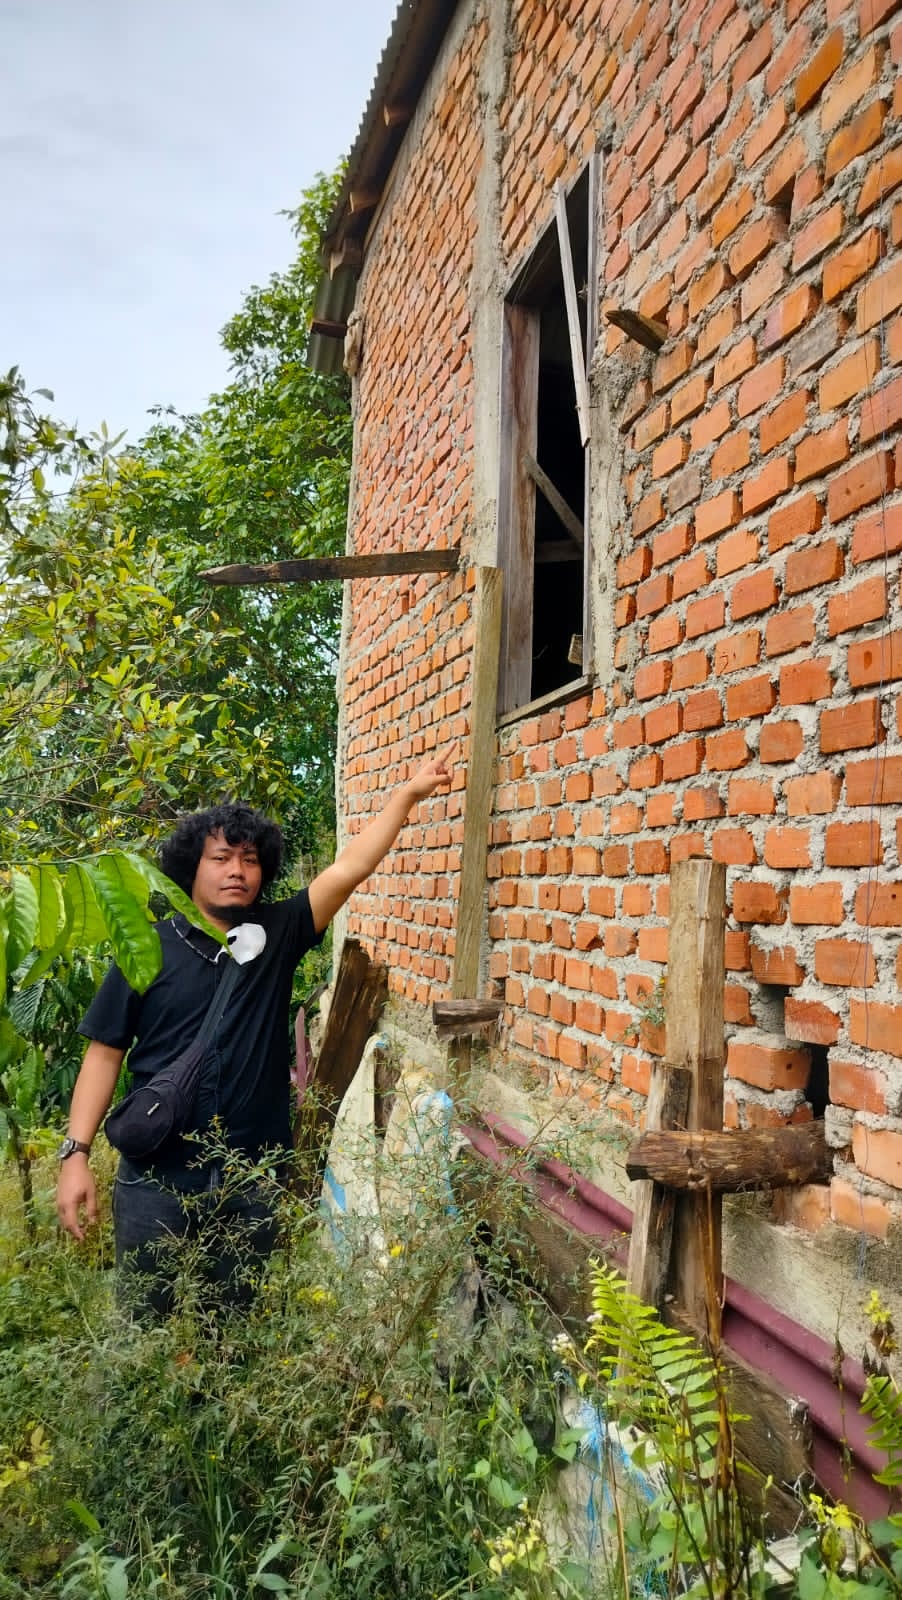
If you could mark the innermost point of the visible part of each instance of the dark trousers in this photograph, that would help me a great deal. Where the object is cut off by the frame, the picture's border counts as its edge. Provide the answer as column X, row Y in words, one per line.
column 232, row 1234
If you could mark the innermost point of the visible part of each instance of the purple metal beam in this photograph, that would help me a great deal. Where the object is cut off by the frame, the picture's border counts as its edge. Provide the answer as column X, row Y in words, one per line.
column 799, row 1361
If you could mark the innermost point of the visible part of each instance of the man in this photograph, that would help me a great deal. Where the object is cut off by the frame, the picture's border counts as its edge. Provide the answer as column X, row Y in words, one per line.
column 223, row 858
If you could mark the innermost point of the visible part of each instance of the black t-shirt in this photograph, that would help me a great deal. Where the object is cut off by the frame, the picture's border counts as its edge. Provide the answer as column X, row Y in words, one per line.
column 245, row 1076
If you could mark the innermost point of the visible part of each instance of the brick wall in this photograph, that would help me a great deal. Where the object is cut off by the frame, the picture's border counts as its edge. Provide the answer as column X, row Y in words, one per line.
column 753, row 202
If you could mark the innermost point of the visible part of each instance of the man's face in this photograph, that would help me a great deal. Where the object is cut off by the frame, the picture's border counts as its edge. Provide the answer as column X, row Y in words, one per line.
column 227, row 880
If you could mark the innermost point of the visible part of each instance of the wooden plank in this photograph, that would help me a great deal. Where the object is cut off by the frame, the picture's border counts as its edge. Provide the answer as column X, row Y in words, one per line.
column 313, row 569
column 759, row 1158
column 517, row 500
column 480, row 788
column 645, row 330
column 654, row 1207
column 593, row 277
column 576, row 347
column 558, row 504
column 328, row 330
column 694, row 1006
column 361, row 990
column 550, row 552
column 454, row 1018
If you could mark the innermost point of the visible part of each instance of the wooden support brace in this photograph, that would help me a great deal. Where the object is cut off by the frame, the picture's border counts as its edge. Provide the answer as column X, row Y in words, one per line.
column 576, row 347
column 760, row 1158
column 645, row 330
column 558, row 504
column 389, row 564
column 454, row 1018
column 654, row 1208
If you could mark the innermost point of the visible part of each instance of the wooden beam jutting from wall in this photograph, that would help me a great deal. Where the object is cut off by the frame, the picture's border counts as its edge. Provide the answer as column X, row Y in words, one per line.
column 390, row 564
column 479, row 791
column 576, row 345
column 558, row 504
column 646, row 331
column 758, row 1158
column 328, row 330
column 654, row 1208
column 695, row 1039
column 454, row 1018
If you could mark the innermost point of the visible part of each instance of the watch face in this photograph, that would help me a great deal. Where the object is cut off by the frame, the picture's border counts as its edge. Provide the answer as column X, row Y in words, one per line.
column 67, row 1148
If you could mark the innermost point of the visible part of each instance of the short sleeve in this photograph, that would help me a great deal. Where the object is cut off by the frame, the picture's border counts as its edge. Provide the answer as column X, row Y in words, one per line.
column 112, row 1016
column 303, row 935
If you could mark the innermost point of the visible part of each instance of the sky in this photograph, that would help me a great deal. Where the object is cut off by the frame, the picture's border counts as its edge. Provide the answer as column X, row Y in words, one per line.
column 146, row 150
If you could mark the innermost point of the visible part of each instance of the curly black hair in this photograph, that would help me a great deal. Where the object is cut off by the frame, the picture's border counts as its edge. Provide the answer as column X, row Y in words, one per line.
column 240, row 824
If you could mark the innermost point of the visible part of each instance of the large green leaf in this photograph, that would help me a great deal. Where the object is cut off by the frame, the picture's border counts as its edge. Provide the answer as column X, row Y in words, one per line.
column 85, row 923
column 3, row 939
column 22, row 918
column 136, row 943
column 177, row 898
column 51, row 906
column 12, row 1044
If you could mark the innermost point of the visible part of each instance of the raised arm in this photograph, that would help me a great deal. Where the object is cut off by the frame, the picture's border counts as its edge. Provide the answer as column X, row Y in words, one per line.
column 76, row 1192
column 332, row 887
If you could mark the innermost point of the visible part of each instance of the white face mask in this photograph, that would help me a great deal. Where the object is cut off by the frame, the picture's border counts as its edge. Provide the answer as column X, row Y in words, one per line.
column 246, row 941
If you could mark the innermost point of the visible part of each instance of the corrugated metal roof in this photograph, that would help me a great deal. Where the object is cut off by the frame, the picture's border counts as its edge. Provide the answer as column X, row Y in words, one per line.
column 416, row 37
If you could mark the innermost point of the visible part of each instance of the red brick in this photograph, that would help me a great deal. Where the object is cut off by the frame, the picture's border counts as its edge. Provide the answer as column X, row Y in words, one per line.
column 786, row 848
column 714, row 422
column 862, row 1088
column 665, row 632
column 779, row 180
column 794, row 521
column 819, row 69
column 735, row 846
column 790, row 630
column 754, row 697
column 851, row 263
column 817, row 236
column 750, row 797
column 877, row 782
column 779, row 966
column 881, row 413
column 690, row 668
column 703, row 616
column 701, row 803
column 683, row 760
column 865, row 603
column 853, row 844
column 819, row 452
column 731, row 455
column 878, row 1027
column 880, row 297
column 884, row 176
column 817, row 903
column 631, row 569
column 652, row 679
column 654, row 594
column 780, row 741
column 802, row 683
column 755, row 241
column 775, row 479
column 690, row 575
column 808, row 568
column 785, row 420
column 851, row 1208
column 768, row 1066
column 848, row 963
column 761, row 385
column 726, row 751
column 879, row 905
column 713, row 516
column 810, row 1021
column 650, row 856
column 847, row 91
column 646, row 773
column 850, row 377
column 766, row 132
column 878, row 535
column 664, row 722
column 758, row 902
column 738, row 651
column 815, row 794
column 757, row 592
column 672, row 453
column 736, row 550
column 789, row 314
column 875, row 661
column 702, row 710
column 851, row 728
column 740, row 359
column 672, row 364
column 859, row 135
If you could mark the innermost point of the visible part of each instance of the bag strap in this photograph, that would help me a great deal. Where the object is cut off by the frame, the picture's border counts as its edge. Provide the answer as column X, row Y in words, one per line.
column 216, row 1009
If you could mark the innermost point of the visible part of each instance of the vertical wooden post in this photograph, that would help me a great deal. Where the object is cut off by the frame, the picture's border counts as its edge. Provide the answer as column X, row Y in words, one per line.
column 695, row 985
column 517, row 498
column 478, row 802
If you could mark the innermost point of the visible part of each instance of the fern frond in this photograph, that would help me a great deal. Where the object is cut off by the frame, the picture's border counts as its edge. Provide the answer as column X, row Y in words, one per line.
column 882, row 1402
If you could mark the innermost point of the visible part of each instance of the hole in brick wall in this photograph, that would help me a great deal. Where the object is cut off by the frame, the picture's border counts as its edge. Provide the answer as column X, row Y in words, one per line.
column 817, row 1089
column 781, row 202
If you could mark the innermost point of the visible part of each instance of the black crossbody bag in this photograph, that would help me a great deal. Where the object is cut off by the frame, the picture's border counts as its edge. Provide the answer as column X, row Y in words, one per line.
column 161, row 1108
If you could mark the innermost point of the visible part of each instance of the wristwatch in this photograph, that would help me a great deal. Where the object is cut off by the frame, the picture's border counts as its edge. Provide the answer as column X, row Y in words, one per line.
column 69, row 1147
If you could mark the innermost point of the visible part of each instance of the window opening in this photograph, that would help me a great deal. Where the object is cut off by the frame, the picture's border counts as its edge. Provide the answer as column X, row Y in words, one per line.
column 543, row 508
